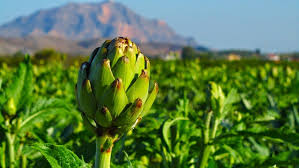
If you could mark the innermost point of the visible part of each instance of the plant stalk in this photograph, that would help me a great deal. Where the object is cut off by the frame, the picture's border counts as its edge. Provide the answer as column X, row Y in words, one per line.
column 207, row 137
column 11, row 149
column 19, row 152
column 214, row 128
column 2, row 154
column 103, row 157
column 24, row 161
column 206, row 132
column 205, row 156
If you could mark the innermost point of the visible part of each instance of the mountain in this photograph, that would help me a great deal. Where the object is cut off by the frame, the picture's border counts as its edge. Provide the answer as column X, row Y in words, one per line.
column 32, row 44
column 82, row 21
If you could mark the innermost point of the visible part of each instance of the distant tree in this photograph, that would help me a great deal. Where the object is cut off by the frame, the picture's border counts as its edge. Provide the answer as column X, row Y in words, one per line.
column 295, row 55
column 205, row 55
column 49, row 55
column 189, row 53
column 258, row 51
column 18, row 54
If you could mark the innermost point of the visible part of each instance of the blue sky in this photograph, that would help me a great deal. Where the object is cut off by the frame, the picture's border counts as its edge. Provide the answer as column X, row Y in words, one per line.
column 272, row 25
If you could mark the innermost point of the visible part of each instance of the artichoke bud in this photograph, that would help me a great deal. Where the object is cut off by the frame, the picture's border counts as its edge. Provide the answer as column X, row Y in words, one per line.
column 112, row 88
column 103, row 117
column 130, row 115
column 10, row 107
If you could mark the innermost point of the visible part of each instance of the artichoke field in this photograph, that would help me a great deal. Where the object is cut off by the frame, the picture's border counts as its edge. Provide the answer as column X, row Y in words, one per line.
column 207, row 113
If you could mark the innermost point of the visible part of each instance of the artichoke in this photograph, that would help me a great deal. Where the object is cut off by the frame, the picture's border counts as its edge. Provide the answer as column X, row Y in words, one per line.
column 113, row 89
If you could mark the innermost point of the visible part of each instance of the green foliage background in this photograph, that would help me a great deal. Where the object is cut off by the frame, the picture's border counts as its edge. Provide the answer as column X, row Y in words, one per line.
column 260, row 130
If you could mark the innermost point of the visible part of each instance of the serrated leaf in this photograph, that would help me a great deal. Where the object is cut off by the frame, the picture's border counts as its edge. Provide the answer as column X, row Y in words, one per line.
column 231, row 98
column 235, row 154
column 1, row 80
column 246, row 102
column 166, row 130
column 21, row 87
column 262, row 150
column 28, row 86
column 1, row 118
column 60, row 157
column 15, row 88
column 128, row 160
column 281, row 136
column 40, row 112
column 296, row 115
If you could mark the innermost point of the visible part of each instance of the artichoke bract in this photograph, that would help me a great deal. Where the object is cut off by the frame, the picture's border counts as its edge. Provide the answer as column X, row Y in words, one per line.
column 113, row 89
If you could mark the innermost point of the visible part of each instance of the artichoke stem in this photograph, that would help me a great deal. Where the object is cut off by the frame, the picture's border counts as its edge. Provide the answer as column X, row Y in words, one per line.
column 103, row 157
column 11, row 150
column 10, row 138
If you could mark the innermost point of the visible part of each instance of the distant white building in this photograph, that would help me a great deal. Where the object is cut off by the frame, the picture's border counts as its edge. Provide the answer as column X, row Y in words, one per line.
column 273, row 57
column 233, row 57
column 172, row 55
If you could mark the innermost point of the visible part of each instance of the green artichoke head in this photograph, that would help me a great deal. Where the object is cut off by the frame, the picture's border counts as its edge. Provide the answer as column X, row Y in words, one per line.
column 113, row 89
